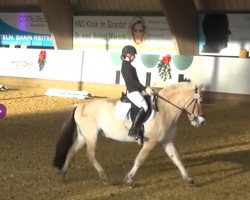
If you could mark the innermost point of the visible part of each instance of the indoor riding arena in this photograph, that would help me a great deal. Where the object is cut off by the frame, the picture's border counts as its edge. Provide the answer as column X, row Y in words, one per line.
column 215, row 154
column 57, row 54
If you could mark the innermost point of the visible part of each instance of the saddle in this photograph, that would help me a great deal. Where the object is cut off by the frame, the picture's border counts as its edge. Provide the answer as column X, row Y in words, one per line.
column 127, row 110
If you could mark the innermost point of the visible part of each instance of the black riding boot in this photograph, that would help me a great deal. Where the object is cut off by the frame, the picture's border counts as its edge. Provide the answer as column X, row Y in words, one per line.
column 137, row 121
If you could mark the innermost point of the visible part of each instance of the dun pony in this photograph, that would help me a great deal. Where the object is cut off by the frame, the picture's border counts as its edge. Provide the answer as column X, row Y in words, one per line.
column 87, row 119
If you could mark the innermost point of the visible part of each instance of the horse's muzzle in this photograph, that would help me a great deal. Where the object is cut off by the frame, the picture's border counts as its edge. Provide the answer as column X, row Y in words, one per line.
column 197, row 121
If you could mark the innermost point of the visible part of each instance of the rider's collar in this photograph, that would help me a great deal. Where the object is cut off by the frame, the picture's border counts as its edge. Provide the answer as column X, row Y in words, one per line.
column 127, row 59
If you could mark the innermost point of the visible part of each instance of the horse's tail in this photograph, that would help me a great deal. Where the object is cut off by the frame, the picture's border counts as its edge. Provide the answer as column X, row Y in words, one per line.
column 65, row 140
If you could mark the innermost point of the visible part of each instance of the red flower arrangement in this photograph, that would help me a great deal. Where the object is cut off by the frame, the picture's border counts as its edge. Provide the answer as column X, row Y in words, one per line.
column 164, row 69
column 42, row 59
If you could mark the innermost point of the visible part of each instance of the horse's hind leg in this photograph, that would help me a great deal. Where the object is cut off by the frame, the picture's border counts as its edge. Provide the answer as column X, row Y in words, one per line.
column 91, row 146
column 174, row 156
column 77, row 145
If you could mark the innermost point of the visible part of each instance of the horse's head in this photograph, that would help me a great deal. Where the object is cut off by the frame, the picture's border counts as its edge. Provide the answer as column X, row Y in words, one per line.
column 194, row 106
column 186, row 97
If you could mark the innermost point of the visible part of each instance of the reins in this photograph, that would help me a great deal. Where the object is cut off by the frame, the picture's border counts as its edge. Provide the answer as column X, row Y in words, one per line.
column 182, row 109
column 196, row 97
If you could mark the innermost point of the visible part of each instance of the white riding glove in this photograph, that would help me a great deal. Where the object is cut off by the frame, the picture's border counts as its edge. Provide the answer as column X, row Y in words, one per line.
column 149, row 91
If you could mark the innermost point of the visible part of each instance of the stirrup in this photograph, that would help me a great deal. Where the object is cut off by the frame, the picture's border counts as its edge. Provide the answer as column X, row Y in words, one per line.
column 133, row 132
column 140, row 133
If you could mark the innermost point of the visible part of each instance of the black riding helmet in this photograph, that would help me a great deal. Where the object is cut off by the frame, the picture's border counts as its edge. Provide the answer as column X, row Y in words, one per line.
column 128, row 49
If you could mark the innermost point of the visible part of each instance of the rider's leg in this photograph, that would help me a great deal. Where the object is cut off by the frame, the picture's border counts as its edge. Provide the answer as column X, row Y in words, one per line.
column 137, row 121
column 141, row 103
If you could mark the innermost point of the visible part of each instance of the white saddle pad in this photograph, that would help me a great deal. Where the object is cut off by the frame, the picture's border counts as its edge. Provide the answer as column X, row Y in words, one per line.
column 122, row 110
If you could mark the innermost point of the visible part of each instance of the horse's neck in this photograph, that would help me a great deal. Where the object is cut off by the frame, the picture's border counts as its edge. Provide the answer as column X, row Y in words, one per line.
column 176, row 97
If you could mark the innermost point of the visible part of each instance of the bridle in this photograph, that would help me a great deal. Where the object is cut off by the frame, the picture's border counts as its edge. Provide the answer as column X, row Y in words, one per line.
column 197, row 99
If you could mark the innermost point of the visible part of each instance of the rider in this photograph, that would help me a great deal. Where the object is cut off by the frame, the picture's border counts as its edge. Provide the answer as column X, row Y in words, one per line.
column 134, row 87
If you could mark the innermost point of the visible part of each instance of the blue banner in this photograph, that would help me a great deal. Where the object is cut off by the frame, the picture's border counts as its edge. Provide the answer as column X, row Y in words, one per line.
column 24, row 29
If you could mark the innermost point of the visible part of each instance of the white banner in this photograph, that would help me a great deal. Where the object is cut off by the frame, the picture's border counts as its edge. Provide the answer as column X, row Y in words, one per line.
column 111, row 33
column 58, row 65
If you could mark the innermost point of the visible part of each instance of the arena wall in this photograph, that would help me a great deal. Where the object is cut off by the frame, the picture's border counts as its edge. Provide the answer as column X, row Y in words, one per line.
column 224, row 77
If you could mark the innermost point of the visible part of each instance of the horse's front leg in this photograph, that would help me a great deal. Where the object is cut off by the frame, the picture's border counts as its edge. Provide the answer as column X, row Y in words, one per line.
column 174, row 156
column 147, row 147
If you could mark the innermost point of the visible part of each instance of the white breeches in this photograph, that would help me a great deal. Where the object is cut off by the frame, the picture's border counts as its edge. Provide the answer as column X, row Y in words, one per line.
column 137, row 98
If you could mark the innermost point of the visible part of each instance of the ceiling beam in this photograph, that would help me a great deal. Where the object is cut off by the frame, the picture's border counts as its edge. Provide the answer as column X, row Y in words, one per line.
column 59, row 15
column 182, row 18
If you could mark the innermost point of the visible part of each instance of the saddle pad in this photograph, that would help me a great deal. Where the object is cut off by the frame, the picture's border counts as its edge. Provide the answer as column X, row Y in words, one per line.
column 122, row 110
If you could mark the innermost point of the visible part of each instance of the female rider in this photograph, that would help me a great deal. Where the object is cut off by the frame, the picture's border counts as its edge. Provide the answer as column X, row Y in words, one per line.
column 134, row 87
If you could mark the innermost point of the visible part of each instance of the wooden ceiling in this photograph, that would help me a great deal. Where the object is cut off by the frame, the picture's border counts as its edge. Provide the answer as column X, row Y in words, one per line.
column 222, row 5
column 128, row 6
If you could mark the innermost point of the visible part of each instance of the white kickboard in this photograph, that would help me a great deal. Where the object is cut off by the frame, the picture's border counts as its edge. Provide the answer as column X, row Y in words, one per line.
column 68, row 93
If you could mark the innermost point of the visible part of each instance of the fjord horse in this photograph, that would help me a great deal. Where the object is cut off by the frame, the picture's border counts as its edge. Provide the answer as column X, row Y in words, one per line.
column 96, row 117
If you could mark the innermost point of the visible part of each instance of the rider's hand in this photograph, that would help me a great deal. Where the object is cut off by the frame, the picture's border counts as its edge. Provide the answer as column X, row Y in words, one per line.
column 149, row 90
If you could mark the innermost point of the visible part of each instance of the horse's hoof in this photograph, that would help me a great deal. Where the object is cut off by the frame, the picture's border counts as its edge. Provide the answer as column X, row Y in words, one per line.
column 63, row 177
column 194, row 184
column 128, row 182
column 105, row 182
column 103, row 176
column 129, row 185
column 191, row 182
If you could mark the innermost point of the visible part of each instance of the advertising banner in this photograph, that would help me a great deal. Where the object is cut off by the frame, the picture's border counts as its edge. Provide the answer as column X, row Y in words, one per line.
column 224, row 34
column 63, row 65
column 111, row 33
column 24, row 29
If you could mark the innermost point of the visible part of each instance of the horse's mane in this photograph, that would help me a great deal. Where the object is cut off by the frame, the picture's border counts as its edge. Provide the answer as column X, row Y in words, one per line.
column 180, row 86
